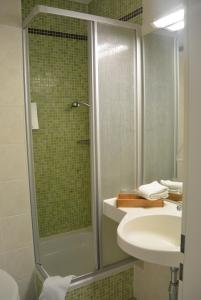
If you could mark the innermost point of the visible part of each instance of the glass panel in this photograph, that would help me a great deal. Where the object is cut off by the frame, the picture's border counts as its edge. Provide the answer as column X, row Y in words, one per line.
column 160, row 104
column 59, row 87
column 117, row 123
column 181, row 114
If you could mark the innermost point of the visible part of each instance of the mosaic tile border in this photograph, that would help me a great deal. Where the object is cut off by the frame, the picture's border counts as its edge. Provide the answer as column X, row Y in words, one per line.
column 58, row 34
column 132, row 15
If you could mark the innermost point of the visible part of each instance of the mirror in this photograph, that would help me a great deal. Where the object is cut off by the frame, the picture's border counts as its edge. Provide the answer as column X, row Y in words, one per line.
column 163, row 118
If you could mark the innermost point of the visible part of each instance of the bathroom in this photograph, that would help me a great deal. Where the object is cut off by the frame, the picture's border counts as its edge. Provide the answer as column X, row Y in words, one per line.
column 97, row 100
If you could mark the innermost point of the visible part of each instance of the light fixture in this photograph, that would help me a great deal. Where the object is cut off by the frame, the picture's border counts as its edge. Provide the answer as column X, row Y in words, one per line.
column 170, row 20
column 177, row 26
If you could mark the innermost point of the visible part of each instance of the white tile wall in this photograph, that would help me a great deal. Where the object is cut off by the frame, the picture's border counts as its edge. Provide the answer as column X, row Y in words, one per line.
column 13, row 195
column 22, row 270
column 12, row 121
column 16, row 231
column 151, row 282
column 16, row 246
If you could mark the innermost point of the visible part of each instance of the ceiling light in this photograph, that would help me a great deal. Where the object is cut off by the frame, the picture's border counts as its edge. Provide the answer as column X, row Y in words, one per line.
column 177, row 26
column 170, row 19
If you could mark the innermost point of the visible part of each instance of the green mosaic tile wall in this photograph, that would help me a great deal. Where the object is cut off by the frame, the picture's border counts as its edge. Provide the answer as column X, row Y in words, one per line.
column 62, row 168
column 27, row 5
column 59, row 75
column 115, row 8
column 115, row 287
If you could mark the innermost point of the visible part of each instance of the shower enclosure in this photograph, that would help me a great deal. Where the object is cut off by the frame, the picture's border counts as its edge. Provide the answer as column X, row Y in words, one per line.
column 83, row 75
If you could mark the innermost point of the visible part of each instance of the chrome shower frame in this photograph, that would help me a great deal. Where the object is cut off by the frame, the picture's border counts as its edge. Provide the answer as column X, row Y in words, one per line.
column 94, row 130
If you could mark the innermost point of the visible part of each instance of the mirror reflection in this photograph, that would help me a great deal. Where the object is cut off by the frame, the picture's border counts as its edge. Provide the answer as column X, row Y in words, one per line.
column 163, row 119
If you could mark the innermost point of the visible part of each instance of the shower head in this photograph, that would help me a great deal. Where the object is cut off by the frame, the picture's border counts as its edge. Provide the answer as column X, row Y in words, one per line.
column 77, row 104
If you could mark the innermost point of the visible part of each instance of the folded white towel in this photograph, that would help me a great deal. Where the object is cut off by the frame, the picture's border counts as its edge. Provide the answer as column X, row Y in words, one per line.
column 174, row 186
column 153, row 191
column 55, row 288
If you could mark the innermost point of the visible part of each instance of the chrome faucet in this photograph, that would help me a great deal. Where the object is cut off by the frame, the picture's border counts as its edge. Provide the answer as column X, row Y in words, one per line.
column 76, row 104
column 179, row 207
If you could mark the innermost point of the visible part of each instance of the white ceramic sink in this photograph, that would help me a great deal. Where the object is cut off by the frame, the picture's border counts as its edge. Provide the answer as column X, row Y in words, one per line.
column 151, row 237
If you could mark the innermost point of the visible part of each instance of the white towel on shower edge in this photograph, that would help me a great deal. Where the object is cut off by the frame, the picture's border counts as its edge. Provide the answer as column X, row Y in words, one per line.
column 55, row 288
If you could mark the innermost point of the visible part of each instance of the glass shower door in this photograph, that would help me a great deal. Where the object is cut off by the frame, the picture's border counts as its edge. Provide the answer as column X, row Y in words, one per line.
column 85, row 148
column 61, row 147
column 117, row 124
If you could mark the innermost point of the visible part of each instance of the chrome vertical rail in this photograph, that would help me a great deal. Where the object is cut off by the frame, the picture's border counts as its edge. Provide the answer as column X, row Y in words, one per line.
column 96, row 142
column 176, row 106
column 29, row 145
column 93, row 146
column 139, row 107
column 135, row 116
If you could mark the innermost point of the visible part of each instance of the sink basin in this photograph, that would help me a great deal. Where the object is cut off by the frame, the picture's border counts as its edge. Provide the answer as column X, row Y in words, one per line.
column 153, row 238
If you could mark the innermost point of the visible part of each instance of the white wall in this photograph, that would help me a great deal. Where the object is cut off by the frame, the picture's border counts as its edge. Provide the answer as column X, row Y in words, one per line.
column 16, row 246
column 154, row 9
column 192, row 258
column 151, row 281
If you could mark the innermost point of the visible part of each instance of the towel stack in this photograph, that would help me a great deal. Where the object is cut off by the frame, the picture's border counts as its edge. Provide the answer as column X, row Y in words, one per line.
column 173, row 186
column 153, row 191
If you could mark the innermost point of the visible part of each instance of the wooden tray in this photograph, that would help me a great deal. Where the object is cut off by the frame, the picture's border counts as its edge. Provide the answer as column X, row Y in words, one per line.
column 133, row 200
column 129, row 196
column 175, row 197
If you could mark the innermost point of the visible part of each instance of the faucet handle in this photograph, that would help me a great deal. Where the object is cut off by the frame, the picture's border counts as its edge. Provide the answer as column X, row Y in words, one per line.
column 179, row 207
